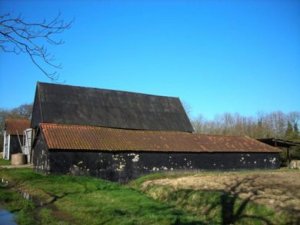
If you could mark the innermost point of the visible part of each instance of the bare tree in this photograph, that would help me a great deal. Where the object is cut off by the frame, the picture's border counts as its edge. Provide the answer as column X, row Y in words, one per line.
column 22, row 111
column 273, row 124
column 19, row 36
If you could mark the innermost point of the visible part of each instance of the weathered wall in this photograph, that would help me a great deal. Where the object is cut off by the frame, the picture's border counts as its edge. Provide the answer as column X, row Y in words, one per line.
column 129, row 165
column 40, row 158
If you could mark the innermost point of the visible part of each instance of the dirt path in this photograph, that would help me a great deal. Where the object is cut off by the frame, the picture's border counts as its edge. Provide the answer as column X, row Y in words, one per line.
column 279, row 190
column 16, row 166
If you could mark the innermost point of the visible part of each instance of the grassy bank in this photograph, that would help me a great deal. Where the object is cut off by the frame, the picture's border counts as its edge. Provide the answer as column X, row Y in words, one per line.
column 216, row 207
column 82, row 200
column 241, row 197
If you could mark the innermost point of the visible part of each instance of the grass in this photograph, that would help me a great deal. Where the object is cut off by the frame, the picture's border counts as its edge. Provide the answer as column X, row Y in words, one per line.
column 83, row 200
column 16, row 204
column 214, row 207
column 4, row 162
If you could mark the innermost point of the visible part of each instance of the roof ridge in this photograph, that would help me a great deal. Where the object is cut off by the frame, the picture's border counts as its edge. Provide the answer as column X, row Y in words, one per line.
column 104, row 89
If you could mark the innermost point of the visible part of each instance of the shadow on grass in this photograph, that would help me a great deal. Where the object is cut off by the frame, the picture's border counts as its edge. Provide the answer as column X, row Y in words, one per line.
column 236, row 202
column 241, row 193
column 233, row 207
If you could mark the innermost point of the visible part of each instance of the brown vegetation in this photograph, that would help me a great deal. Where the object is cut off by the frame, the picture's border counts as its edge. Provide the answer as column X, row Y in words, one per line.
column 277, row 189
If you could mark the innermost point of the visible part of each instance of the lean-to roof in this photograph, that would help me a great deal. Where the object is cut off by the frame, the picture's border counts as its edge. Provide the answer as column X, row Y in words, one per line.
column 90, row 138
column 15, row 126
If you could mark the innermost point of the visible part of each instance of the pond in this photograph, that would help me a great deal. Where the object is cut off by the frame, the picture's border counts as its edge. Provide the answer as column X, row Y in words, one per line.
column 6, row 217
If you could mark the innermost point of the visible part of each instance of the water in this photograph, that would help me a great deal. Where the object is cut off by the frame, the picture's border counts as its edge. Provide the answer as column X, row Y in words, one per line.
column 6, row 218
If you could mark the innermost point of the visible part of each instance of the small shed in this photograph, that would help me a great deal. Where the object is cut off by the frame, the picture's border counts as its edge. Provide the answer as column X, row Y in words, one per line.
column 13, row 136
column 282, row 144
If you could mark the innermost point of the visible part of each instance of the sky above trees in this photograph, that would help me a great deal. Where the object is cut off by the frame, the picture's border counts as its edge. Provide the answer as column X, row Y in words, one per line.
column 217, row 56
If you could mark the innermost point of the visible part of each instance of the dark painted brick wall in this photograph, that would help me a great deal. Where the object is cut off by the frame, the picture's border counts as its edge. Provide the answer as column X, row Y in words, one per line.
column 129, row 165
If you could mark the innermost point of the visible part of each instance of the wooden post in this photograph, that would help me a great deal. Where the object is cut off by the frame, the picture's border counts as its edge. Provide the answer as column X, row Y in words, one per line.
column 288, row 156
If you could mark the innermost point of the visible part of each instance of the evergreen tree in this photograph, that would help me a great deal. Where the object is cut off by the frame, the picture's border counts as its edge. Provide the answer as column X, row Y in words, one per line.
column 289, row 133
column 296, row 130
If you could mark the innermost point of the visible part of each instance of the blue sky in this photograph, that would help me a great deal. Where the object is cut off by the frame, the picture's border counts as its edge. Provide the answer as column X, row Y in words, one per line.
column 217, row 56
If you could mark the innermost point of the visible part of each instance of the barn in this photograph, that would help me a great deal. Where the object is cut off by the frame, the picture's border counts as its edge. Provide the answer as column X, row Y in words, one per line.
column 120, row 135
column 13, row 136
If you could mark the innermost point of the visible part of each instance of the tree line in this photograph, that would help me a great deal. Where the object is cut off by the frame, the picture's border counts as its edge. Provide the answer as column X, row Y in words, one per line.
column 263, row 125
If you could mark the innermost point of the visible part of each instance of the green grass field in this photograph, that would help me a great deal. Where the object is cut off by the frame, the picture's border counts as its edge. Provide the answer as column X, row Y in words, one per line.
column 4, row 162
column 84, row 200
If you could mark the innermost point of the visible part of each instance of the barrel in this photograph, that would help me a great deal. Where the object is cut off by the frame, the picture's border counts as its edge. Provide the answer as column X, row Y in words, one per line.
column 17, row 159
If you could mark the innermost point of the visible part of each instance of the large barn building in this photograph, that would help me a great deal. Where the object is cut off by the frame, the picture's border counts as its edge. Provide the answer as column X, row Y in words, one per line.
column 119, row 136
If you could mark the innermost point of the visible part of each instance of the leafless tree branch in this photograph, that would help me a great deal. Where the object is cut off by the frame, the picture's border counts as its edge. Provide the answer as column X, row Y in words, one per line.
column 19, row 36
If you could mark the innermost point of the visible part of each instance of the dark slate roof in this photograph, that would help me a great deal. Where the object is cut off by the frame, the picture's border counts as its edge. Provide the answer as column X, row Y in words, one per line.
column 66, row 104
column 91, row 138
column 14, row 126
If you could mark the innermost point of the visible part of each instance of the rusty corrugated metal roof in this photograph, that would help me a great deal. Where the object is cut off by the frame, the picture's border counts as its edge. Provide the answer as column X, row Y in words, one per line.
column 15, row 126
column 76, row 137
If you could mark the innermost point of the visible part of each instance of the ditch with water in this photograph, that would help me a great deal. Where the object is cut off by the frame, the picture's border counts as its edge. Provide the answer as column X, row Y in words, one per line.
column 6, row 217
